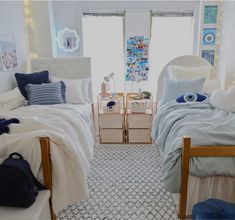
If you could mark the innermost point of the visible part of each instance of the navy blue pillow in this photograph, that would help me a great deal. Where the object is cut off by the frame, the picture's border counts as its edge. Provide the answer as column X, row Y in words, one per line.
column 32, row 78
column 191, row 97
column 45, row 94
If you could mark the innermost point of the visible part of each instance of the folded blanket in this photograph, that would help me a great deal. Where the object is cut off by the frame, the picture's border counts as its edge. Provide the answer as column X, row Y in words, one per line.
column 4, row 123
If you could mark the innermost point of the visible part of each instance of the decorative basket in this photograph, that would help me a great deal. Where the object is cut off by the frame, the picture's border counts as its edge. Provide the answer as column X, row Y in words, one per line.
column 138, row 107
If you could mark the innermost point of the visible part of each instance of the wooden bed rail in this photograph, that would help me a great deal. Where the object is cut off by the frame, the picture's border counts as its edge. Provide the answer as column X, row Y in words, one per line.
column 189, row 151
column 47, row 169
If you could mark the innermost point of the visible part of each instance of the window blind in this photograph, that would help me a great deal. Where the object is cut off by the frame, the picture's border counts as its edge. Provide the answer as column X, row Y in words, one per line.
column 160, row 13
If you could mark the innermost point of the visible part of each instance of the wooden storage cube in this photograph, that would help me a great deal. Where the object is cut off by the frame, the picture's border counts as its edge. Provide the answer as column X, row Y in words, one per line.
column 111, row 121
column 111, row 136
column 139, row 121
column 139, row 136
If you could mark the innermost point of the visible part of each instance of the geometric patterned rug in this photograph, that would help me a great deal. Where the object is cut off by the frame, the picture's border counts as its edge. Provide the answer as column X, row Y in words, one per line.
column 124, row 183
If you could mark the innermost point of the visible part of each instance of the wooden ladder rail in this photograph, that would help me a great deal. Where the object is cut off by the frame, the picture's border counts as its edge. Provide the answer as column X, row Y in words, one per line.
column 189, row 151
column 47, row 169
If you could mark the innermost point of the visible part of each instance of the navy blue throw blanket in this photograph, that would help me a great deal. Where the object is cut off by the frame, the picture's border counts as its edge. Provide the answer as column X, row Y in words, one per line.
column 4, row 124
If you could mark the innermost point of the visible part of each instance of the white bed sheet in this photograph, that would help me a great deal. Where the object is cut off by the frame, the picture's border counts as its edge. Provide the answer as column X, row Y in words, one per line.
column 70, row 129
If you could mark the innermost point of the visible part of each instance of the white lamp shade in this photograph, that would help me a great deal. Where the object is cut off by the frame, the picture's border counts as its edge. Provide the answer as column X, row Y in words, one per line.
column 108, row 77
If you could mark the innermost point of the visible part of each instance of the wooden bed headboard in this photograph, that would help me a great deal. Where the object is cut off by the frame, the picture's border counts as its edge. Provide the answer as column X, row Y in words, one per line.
column 71, row 68
column 186, row 61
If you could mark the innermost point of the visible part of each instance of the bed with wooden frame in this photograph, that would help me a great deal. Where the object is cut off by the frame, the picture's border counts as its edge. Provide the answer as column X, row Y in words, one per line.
column 188, row 187
column 72, row 68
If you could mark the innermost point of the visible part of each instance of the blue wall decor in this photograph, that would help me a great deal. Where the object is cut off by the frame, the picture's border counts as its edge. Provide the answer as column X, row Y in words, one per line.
column 210, row 14
column 209, row 37
column 137, row 59
column 209, row 55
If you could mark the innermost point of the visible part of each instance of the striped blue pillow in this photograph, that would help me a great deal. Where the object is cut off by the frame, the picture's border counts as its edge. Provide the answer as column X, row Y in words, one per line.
column 33, row 78
column 45, row 94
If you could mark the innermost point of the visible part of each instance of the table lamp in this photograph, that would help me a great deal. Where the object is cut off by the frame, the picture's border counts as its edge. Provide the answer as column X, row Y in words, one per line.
column 107, row 80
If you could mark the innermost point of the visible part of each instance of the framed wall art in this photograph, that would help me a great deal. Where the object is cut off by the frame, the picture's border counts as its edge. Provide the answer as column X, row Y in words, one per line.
column 209, row 55
column 210, row 14
column 209, row 37
column 8, row 58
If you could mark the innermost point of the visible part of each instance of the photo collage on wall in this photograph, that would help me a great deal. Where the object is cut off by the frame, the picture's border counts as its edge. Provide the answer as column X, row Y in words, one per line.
column 209, row 32
column 8, row 59
column 137, row 59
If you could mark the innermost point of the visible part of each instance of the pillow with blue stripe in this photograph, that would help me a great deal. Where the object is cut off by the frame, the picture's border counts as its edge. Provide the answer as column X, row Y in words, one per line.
column 32, row 78
column 191, row 97
column 45, row 94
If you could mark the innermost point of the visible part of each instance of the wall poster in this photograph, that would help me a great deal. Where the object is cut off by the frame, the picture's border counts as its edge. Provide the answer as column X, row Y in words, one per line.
column 209, row 55
column 210, row 14
column 8, row 59
column 209, row 37
column 137, row 59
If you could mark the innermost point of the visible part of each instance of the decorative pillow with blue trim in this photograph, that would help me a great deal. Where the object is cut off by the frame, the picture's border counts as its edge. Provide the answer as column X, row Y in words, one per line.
column 191, row 97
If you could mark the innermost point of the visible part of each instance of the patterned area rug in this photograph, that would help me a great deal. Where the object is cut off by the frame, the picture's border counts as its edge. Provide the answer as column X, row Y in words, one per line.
column 125, row 183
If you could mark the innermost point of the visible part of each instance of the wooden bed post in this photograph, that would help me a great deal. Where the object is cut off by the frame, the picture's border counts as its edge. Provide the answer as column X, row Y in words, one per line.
column 189, row 151
column 184, row 177
column 47, row 169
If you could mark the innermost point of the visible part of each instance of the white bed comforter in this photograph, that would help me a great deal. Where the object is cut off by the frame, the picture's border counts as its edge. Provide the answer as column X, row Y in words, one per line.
column 71, row 142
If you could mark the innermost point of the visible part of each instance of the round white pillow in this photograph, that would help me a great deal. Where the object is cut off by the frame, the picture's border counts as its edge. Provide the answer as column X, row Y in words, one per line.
column 224, row 99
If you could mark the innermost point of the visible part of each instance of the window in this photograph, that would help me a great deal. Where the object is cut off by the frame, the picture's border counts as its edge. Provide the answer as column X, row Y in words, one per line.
column 172, row 35
column 103, row 41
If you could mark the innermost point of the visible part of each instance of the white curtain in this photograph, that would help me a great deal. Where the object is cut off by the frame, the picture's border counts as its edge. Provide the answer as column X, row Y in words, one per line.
column 227, row 44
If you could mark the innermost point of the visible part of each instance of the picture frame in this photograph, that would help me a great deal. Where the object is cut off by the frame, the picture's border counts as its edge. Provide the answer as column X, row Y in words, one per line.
column 8, row 57
column 209, row 37
column 210, row 14
column 209, row 55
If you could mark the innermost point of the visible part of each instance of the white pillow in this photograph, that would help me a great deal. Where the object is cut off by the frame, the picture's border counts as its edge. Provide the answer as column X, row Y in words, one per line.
column 224, row 99
column 78, row 91
column 211, row 85
column 188, row 73
column 11, row 100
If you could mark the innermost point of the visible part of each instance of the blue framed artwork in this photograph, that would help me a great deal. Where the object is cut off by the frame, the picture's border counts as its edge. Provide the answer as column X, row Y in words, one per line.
column 137, row 59
column 209, row 55
column 209, row 37
column 210, row 14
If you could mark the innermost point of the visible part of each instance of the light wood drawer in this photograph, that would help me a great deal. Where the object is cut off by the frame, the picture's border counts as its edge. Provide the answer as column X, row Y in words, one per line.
column 111, row 135
column 139, row 135
column 139, row 121
column 111, row 121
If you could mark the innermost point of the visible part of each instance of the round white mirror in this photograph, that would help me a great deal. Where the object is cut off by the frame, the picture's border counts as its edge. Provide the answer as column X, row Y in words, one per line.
column 68, row 40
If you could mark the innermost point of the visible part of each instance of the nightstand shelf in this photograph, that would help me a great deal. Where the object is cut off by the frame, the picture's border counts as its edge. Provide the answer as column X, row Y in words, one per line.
column 111, row 119
column 128, row 121
column 139, row 116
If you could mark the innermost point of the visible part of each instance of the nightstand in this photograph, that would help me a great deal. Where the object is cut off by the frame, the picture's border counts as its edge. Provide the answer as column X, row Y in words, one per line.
column 139, row 116
column 111, row 118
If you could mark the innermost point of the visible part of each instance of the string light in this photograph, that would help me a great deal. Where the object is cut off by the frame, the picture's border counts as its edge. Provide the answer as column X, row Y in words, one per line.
column 30, row 24
column 219, row 30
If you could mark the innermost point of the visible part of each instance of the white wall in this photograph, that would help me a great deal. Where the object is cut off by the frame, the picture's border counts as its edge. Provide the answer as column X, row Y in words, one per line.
column 42, row 33
column 67, row 14
column 137, row 20
column 227, row 45
column 12, row 21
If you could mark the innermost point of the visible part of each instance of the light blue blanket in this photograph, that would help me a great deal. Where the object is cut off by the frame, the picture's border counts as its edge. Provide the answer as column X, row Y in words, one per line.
column 206, row 126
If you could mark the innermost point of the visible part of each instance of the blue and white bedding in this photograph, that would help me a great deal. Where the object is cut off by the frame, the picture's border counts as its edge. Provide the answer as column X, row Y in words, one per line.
column 206, row 126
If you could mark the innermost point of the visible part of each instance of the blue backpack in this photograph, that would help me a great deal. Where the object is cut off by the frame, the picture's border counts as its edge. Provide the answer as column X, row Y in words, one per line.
column 18, row 186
